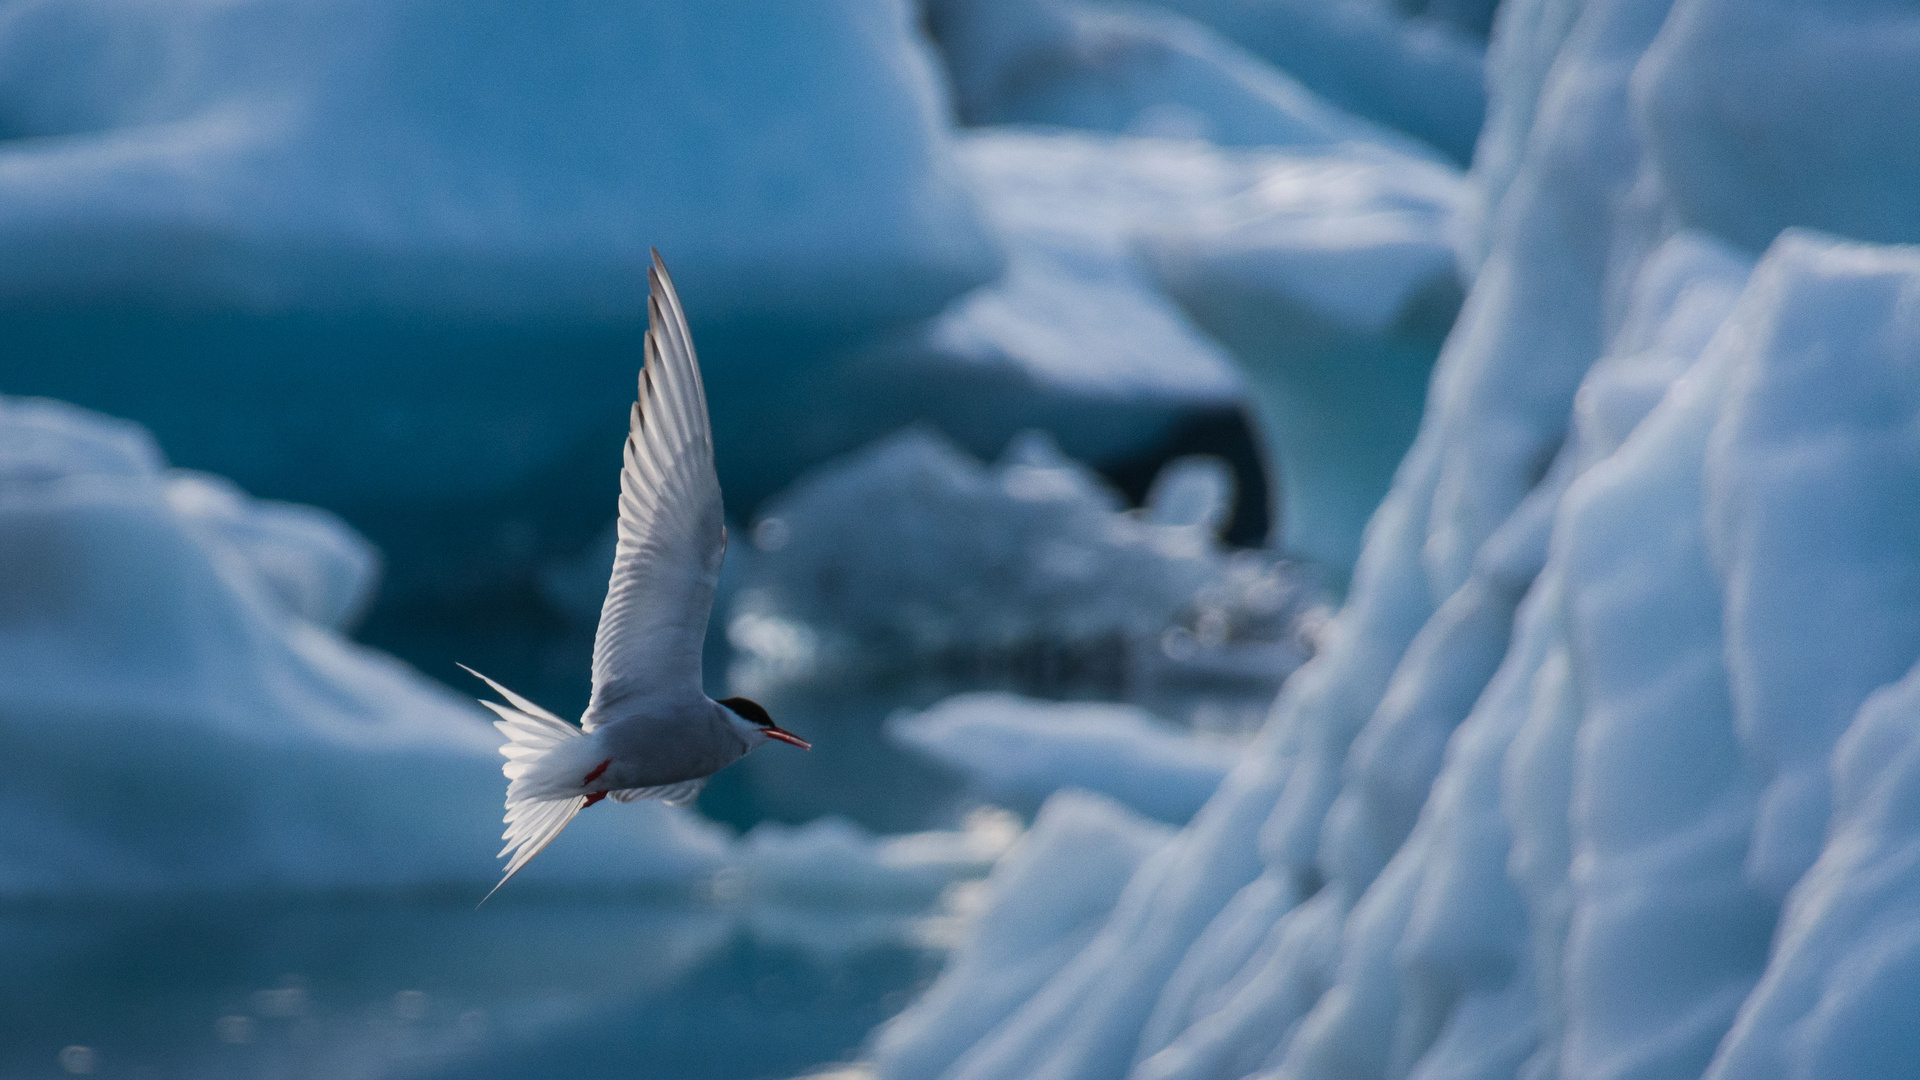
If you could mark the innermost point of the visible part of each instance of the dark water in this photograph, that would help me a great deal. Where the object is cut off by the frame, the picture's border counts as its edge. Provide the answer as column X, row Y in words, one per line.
column 370, row 987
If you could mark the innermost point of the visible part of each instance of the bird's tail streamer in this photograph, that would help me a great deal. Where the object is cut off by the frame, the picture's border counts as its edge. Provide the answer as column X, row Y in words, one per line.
column 532, row 733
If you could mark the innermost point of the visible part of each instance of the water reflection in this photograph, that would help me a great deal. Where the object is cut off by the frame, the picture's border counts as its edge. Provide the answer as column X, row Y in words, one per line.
column 426, row 987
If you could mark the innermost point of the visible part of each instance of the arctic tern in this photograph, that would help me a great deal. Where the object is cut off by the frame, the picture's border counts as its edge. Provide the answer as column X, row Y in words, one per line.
column 650, row 731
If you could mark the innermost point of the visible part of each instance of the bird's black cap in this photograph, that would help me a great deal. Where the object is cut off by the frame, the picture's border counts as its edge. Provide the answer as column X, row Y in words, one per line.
column 748, row 710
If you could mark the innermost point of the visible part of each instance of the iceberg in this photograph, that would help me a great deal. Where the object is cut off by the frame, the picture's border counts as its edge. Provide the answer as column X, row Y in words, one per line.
column 1604, row 769
column 181, row 713
column 390, row 258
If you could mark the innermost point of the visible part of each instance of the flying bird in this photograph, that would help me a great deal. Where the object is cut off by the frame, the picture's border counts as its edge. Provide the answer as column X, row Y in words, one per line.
column 650, row 731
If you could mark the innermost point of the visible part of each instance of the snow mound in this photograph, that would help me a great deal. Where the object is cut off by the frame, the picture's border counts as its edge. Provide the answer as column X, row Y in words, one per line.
column 1017, row 752
column 180, row 714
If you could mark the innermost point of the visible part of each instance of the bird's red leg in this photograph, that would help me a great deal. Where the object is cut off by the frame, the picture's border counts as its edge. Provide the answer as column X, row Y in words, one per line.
column 591, row 777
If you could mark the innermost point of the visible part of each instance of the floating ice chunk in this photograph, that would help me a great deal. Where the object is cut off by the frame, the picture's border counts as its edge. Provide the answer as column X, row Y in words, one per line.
column 1022, row 750
column 911, row 556
column 1076, row 306
column 1136, row 69
column 1584, row 881
column 180, row 717
column 1043, row 902
column 832, row 887
column 831, row 862
column 51, row 442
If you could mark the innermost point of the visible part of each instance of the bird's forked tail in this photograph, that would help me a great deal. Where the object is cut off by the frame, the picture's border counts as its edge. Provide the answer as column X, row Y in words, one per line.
column 533, row 818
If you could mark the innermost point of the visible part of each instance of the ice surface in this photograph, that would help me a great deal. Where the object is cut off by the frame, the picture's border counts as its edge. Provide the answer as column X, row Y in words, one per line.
column 1017, row 752
column 1604, row 770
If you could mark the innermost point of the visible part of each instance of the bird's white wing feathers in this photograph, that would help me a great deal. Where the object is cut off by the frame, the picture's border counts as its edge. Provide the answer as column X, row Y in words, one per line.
column 672, row 532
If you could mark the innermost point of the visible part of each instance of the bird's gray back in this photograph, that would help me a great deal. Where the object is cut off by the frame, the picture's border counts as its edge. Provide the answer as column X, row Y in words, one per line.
column 665, row 743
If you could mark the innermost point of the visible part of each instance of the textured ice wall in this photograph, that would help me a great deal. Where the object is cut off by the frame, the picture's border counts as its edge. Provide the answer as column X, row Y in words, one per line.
column 1604, row 771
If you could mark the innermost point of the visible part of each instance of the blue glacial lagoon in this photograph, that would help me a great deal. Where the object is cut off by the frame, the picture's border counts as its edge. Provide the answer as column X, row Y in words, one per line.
column 528, row 986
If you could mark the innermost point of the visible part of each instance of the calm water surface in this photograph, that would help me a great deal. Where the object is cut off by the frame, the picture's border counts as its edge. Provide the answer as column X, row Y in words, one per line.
column 367, row 987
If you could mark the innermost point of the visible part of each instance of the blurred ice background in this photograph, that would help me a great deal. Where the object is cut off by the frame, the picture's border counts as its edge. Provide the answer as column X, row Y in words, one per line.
column 1314, row 539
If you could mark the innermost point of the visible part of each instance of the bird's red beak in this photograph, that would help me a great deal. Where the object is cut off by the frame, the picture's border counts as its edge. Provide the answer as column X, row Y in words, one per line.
column 786, row 736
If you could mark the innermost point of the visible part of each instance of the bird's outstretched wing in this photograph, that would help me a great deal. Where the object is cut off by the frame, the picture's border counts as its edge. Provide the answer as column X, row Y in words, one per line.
column 672, row 531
